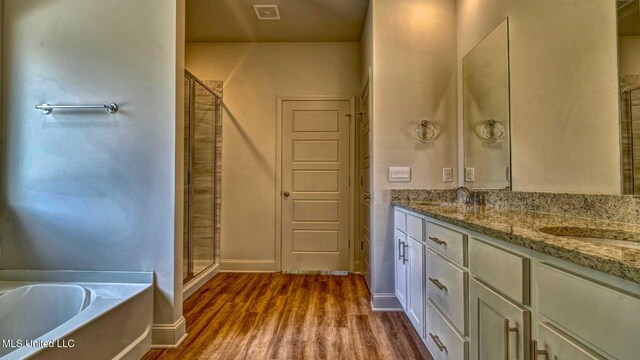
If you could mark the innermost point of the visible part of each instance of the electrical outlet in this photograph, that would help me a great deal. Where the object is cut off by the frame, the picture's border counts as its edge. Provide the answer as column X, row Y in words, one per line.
column 447, row 174
column 469, row 174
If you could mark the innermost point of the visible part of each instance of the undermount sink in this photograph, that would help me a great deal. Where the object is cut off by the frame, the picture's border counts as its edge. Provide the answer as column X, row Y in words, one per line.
column 621, row 238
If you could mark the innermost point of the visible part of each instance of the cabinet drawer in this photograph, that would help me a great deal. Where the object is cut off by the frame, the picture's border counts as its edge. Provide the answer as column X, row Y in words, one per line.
column 559, row 345
column 443, row 341
column 446, row 287
column 447, row 242
column 400, row 218
column 415, row 227
column 503, row 270
column 605, row 317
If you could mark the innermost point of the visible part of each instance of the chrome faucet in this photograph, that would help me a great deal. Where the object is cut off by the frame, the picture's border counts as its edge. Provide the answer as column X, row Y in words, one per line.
column 463, row 195
column 467, row 197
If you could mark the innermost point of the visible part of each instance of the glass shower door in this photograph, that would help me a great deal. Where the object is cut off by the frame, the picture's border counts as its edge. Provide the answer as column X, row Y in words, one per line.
column 200, row 171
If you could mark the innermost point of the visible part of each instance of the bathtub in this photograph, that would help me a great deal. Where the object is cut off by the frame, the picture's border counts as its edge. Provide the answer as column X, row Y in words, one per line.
column 75, row 314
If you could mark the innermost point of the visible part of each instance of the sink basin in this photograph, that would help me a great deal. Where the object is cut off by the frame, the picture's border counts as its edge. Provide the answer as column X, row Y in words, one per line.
column 621, row 238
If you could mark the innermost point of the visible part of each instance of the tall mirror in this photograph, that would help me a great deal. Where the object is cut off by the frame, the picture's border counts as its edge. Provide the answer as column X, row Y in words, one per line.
column 486, row 112
column 629, row 72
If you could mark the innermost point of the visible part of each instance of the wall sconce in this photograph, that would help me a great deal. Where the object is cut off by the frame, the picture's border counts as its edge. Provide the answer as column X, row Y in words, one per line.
column 491, row 131
column 426, row 131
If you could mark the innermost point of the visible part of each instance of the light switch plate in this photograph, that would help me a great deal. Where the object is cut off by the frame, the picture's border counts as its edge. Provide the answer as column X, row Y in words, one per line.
column 469, row 174
column 399, row 174
column 447, row 174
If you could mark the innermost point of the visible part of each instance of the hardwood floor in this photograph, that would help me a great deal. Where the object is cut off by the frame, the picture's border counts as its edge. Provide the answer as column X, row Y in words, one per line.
column 278, row 316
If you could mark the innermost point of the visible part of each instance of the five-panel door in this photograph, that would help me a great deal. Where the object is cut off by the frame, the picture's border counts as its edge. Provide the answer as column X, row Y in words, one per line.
column 315, row 185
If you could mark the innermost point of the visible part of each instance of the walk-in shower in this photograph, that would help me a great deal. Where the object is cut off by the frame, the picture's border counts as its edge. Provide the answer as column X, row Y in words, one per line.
column 202, row 151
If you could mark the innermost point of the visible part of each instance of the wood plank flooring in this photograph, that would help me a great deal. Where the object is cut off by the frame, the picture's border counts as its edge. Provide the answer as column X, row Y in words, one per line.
column 279, row 316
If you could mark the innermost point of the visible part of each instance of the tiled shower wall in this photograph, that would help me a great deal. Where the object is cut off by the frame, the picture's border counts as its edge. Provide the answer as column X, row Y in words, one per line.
column 630, row 125
column 206, row 175
column 216, row 86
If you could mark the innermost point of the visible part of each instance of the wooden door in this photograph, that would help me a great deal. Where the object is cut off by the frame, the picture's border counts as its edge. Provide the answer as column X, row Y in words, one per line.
column 553, row 344
column 364, row 192
column 415, row 283
column 401, row 267
column 315, row 185
column 499, row 329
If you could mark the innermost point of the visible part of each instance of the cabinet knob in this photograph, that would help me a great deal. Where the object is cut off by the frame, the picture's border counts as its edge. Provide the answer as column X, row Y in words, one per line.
column 286, row 194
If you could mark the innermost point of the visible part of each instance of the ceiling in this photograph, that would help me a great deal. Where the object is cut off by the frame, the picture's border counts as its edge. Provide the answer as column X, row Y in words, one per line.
column 301, row 20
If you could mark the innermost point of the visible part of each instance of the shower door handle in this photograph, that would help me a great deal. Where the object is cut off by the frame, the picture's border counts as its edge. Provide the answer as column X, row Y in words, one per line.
column 286, row 194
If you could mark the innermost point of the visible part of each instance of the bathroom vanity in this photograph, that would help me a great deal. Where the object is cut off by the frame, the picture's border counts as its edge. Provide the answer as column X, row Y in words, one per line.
column 484, row 282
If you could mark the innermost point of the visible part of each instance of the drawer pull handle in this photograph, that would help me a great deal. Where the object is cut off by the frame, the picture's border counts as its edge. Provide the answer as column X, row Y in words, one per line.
column 438, row 284
column 437, row 241
column 404, row 252
column 535, row 352
column 439, row 344
column 507, row 331
column 399, row 249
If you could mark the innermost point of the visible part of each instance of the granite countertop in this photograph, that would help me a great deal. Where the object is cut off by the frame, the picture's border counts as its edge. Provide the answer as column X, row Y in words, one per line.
column 521, row 227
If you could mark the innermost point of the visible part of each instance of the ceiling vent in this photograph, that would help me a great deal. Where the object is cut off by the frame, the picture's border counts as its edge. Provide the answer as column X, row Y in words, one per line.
column 267, row 12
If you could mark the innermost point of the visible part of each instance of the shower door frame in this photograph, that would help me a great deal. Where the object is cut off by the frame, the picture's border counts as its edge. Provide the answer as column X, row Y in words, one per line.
column 189, row 276
column 627, row 100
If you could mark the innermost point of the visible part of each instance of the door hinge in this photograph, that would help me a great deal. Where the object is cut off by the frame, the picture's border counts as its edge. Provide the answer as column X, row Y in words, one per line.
column 361, row 245
column 349, row 116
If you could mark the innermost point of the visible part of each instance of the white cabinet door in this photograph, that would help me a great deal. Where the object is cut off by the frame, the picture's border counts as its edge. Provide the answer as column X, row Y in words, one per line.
column 498, row 328
column 555, row 344
column 400, row 257
column 415, row 284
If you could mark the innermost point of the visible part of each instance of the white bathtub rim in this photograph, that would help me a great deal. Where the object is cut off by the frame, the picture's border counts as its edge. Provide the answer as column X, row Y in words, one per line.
column 77, row 276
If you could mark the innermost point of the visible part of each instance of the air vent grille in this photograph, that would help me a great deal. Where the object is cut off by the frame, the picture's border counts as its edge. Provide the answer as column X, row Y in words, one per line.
column 267, row 12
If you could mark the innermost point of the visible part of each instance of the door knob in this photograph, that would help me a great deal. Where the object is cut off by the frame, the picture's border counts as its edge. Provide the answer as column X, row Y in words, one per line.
column 286, row 194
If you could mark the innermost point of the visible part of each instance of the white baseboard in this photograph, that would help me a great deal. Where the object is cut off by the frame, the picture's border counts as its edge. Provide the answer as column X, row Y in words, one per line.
column 197, row 282
column 168, row 336
column 247, row 265
column 385, row 302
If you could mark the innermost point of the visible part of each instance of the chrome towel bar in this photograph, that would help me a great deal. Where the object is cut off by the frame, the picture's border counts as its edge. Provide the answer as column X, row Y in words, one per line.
column 47, row 109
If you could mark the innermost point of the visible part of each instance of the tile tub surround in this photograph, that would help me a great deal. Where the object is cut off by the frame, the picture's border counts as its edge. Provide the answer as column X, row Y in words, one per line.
column 520, row 227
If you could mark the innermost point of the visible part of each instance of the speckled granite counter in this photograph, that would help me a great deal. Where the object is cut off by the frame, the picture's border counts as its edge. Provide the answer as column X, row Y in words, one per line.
column 520, row 227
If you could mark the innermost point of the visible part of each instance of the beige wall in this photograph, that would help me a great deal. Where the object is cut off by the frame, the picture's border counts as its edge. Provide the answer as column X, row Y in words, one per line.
column 564, row 103
column 414, row 74
column 254, row 74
